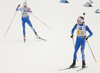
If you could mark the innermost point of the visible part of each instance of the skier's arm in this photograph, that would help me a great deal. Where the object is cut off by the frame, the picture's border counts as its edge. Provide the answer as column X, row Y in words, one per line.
column 18, row 9
column 72, row 32
column 90, row 32
column 29, row 10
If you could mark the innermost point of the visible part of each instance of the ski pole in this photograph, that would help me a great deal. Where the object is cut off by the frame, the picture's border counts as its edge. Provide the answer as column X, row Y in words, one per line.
column 74, row 45
column 10, row 23
column 73, row 42
column 91, row 51
column 89, row 45
column 40, row 21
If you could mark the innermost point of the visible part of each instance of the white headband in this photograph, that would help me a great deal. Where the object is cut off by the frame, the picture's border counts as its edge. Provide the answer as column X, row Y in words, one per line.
column 24, row 4
column 80, row 19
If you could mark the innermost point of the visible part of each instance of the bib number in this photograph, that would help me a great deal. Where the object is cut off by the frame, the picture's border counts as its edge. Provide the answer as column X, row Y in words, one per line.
column 25, row 13
column 80, row 33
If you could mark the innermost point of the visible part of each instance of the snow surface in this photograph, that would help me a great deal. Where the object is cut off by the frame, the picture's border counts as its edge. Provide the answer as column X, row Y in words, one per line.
column 37, row 56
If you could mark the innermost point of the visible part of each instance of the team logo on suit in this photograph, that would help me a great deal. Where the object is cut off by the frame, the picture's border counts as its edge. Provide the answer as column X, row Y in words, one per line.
column 80, row 28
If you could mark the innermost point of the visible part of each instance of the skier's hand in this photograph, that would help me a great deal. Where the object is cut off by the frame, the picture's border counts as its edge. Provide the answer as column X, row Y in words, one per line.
column 18, row 5
column 72, row 36
column 86, row 38
column 27, row 10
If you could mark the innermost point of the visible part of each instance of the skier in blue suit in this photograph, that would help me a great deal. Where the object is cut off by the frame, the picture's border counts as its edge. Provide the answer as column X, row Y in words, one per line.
column 81, row 39
column 25, row 18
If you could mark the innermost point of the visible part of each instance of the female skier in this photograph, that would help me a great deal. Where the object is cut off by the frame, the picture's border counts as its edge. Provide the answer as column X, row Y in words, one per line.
column 81, row 39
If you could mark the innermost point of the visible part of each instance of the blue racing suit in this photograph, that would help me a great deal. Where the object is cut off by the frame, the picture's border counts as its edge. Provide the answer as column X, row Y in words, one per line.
column 25, row 18
column 80, row 41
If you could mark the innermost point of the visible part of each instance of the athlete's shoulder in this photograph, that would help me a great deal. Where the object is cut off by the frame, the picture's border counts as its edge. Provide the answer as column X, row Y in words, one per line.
column 75, row 26
column 86, row 27
column 21, row 8
column 28, row 8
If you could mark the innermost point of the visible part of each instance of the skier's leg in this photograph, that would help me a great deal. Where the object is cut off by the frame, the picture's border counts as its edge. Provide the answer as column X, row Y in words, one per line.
column 23, row 25
column 77, row 45
column 83, row 55
column 30, row 24
column 82, row 50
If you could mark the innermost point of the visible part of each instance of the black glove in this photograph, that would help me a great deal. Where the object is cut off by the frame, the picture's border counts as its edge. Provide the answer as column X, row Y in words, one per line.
column 72, row 36
column 86, row 38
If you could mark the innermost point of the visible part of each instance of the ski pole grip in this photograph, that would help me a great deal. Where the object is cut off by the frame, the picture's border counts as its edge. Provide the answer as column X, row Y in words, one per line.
column 18, row 5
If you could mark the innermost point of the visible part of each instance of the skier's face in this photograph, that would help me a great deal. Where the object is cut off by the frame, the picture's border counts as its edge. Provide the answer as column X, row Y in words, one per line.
column 25, row 6
column 79, row 22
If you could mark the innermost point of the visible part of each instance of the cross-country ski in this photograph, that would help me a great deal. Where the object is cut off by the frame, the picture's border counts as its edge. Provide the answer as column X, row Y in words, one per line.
column 67, row 68
column 82, row 69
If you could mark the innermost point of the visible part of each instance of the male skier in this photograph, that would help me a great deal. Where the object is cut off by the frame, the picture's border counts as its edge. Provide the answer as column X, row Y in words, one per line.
column 25, row 18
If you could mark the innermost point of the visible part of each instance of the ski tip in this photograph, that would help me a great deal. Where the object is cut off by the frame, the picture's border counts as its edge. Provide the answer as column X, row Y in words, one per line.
column 96, row 61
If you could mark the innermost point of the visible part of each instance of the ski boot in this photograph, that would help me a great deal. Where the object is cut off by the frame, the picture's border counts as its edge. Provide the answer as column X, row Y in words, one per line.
column 24, row 38
column 83, row 64
column 73, row 64
column 37, row 35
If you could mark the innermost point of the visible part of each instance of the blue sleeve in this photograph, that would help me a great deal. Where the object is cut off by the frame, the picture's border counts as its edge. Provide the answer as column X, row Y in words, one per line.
column 30, row 11
column 17, row 9
column 72, row 32
column 90, row 32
